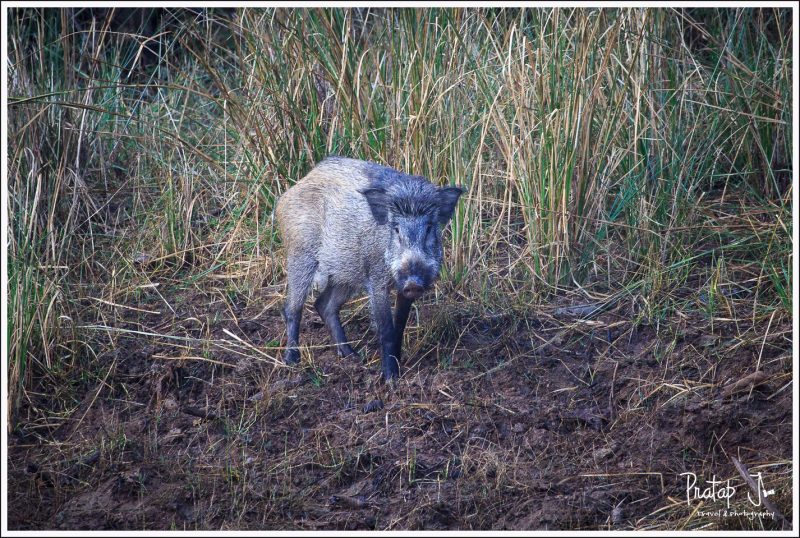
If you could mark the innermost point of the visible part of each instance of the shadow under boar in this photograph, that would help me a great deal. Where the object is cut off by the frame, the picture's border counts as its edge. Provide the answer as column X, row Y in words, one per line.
column 352, row 225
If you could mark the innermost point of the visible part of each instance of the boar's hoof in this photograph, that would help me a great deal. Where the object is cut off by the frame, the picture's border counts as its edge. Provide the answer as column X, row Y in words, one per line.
column 292, row 356
column 391, row 374
column 391, row 383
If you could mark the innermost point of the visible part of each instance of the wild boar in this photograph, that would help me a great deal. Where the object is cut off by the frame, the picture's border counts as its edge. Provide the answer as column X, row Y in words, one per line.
column 350, row 226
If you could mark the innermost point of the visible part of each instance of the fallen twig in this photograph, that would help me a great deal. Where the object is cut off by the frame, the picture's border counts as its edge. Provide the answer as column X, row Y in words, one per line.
column 745, row 472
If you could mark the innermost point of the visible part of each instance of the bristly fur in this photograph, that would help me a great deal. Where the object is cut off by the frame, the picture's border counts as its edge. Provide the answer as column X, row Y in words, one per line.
column 408, row 204
column 412, row 196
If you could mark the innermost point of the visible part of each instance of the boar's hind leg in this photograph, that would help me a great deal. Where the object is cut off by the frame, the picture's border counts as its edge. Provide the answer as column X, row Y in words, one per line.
column 300, row 270
column 328, row 305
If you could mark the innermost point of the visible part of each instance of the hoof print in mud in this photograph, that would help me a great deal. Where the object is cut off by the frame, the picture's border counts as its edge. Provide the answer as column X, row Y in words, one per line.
column 374, row 405
column 356, row 502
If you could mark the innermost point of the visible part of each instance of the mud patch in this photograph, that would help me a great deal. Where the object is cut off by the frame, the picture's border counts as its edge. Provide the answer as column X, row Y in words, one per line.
column 515, row 422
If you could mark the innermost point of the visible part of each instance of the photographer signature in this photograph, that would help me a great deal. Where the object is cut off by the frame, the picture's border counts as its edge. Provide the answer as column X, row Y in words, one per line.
column 717, row 490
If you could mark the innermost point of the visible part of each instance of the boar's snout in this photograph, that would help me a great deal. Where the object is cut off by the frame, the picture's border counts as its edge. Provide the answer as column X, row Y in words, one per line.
column 416, row 275
column 413, row 288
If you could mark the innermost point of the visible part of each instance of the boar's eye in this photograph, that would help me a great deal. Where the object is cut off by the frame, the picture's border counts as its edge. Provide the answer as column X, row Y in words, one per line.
column 396, row 229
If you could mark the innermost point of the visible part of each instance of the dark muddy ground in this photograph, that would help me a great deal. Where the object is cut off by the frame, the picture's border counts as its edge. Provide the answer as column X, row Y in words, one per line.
column 523, row 420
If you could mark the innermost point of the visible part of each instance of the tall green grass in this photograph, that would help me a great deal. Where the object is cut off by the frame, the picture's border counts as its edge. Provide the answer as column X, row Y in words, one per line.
column 612, row 153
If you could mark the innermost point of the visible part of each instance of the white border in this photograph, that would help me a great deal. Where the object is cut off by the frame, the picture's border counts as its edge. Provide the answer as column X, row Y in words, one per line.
column 466, row 4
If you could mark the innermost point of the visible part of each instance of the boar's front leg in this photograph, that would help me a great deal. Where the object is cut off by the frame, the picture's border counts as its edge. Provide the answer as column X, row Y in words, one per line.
column 401, row 309
column 382, row 311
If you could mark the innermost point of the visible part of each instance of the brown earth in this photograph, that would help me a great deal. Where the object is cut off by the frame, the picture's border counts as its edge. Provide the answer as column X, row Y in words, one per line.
column 518, row 420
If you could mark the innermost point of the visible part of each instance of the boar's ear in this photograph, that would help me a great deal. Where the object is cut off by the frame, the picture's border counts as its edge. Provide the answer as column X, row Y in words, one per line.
column 448, row 198
column 378, row 201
